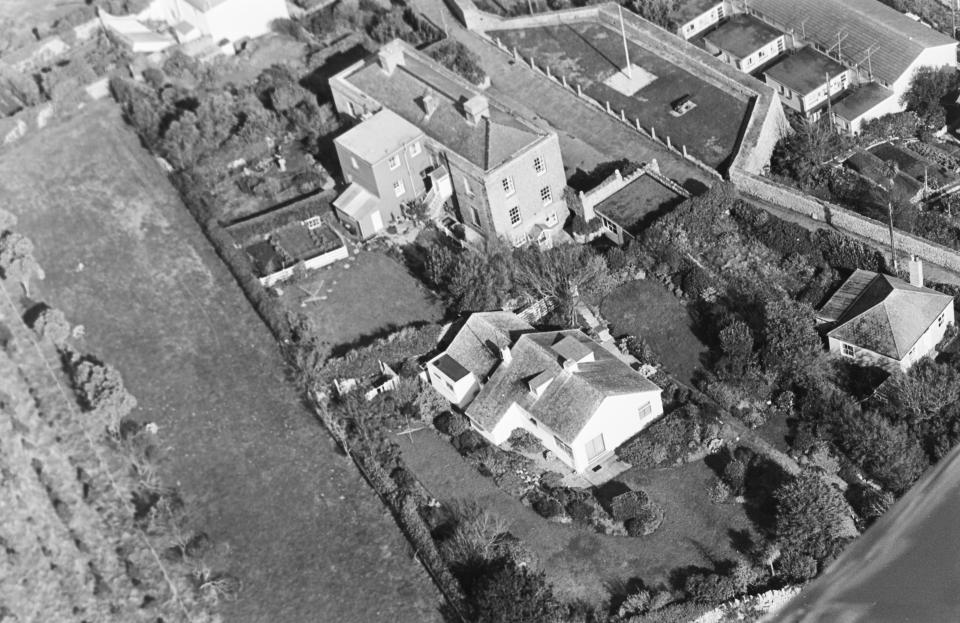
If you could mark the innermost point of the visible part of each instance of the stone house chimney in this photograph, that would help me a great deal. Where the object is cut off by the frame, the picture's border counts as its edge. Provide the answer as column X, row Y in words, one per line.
column 916, row 271
column 476, row 108
column 505, row 356
column 390, row 56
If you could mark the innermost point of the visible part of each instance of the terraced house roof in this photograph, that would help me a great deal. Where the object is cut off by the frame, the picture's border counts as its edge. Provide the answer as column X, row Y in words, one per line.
column 893, row 40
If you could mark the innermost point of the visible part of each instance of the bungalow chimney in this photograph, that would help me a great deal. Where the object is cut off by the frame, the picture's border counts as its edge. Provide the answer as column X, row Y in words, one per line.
column 916, row 272
column 390, row 56
column 505, row 355
column 429, row 103
column 571, row 365
column 475, row 108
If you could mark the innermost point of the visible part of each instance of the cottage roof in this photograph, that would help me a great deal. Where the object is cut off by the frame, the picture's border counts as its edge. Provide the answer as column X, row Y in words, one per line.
column 691, row 9
column 742, row 35
column 476, row 346
column 379, row 136
column 805, row 70
column 882, row 313
column 893, row 40
column 486, row 144
column 575, row 393
column 637, row 202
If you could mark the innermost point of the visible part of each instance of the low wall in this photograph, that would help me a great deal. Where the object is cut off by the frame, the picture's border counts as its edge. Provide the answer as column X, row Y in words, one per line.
column 324, row 259
column 550, row 18
column 844, row 219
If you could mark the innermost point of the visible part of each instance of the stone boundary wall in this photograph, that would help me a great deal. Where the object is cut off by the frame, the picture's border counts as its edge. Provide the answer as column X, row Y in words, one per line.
column 792, row 199
column 550, row 18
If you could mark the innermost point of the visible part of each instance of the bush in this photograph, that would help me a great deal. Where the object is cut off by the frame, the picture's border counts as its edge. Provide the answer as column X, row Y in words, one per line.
column 547, row 507
column 710, row 587
column 795, row 566
column 580, row 511
column 649, row 518
column 450, row 423
column 667, row 439
column 99, row 387
column 628, row 505
column 524, row 441
column 458, row 58
column 506, row 593
column 696, row 281
column 469, row 441
column 719, row 491
column 813, row 517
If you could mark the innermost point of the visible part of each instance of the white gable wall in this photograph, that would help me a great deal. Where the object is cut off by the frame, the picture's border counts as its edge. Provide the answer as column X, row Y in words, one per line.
column 703, row 21
column 617, row 419
column 940, row 56
column 236, row 19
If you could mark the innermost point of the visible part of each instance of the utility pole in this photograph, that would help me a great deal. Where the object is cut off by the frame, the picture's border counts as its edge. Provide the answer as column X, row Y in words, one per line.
column 829, row 104
column 626, row 50
column 893, row 246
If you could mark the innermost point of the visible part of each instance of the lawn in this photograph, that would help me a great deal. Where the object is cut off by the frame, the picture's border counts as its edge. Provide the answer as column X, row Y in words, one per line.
column 361, row 298
column 646, row 309
column 582, row 564
column 308, row 538
column 589, row 53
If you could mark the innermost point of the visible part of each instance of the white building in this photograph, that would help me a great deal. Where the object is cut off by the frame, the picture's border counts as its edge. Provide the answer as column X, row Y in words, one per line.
column 221, row 20
column 745, row 42
column 576, row 397
column 878, row 320
column 695, row 16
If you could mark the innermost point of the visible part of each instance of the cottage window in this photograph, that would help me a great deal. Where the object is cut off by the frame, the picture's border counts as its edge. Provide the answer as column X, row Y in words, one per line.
column 847, row 350
column 595, row 447
column 940, row 321
column 539, row 166
column 398, row 188
column 394, row 161
column 353, row 163
column 551, row 219
column 415, row 149
column 515, row 216
column 563, row 446
column 645, row 410
column 508, row 186
column 546, row 195
column 475, row 214
column 761, row 54
column 466, row 187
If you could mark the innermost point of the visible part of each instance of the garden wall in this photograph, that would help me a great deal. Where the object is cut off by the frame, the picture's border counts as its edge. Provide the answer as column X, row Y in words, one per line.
column 551, row 18
column 324, row 259
column 792, row 199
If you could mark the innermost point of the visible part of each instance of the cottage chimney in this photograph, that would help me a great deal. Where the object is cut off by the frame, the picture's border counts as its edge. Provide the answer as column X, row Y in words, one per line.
column 505, row 355
column 571, row 365
column 916, row 272
column 429, row 103
column 476, row 108
column 390, row 56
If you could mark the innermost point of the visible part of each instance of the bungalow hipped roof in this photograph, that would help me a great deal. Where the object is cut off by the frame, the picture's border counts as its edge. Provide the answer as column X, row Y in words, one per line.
column 882, row 313
column 558, row 377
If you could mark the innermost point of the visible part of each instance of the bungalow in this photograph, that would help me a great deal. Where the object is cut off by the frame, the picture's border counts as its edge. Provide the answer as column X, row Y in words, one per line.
column 806, row 79
column 878, row 320
column 867, row 101
column 745, row 42
column 221, row 20
column 576, row 397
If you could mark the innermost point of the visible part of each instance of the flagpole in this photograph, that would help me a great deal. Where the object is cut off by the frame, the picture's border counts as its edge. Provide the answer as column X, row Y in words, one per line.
column 626, row 50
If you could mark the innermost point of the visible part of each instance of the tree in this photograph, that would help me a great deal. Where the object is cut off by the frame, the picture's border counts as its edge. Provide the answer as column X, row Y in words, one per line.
column 736, row 344
column 928, row 89
column 924, row 390
column 505, row 593
column 791, row 343
column 813, row 517
column 559, row 273
column 888, row 452
column 99, row 387
column 803, row 155
column 16, row 259
column 52, row 324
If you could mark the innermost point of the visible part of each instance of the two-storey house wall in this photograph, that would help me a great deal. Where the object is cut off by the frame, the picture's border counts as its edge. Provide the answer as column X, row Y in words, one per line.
column 527, row 191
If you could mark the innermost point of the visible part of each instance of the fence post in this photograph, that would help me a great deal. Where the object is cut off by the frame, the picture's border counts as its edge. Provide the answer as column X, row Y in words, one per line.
column 579, row 91
column 609, row 111
column 639, row 129
column 516, row 55
column 685, row 152
column 499, row 43
column 623, row 115
column 653, row 133
column 547, row 69
column 669, row 146
column 532, row 63
column 564, row 79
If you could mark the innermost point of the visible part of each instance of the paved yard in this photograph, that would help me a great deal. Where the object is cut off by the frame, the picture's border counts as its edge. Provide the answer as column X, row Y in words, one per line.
column 583, row 564
column 647, row 309
column 589, row 53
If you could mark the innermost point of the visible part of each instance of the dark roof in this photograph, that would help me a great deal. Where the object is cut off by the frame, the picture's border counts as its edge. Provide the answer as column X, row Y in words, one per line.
column 742, row 35
column 882, row 313
column 571, row 398
column 689, row 9
column 450, row 368
column 634, row 204
column 894, row 39
column 477, row 344
column 804, row 70
column 486, row 144
column 861, row 100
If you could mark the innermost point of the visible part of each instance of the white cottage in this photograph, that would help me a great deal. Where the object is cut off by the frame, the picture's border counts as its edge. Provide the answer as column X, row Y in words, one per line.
column 879, row 320
column 577, row 398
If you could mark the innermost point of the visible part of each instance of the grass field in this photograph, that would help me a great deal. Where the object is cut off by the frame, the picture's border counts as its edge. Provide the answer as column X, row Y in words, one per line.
column 363, row 297
column 309, row 539
column 647, row 309
column 587, row 54
column 582, row 564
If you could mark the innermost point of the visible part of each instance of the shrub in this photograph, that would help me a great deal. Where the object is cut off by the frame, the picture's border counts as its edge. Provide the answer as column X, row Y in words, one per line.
column 506, row 593
column 580, row 511
column 100, row 387
column 450, row 423
column 649, row 518
column 628, row 505
column 52, row 324
column 719, row 491
column 616, row 259
column 696, row 281
column 667, row 439
column 458, row 58
column 710, row 587
column 734, row 474
column 525, row 441
column 795, row 566
column 813, row 517
column 547, row 507
column 469, row 441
